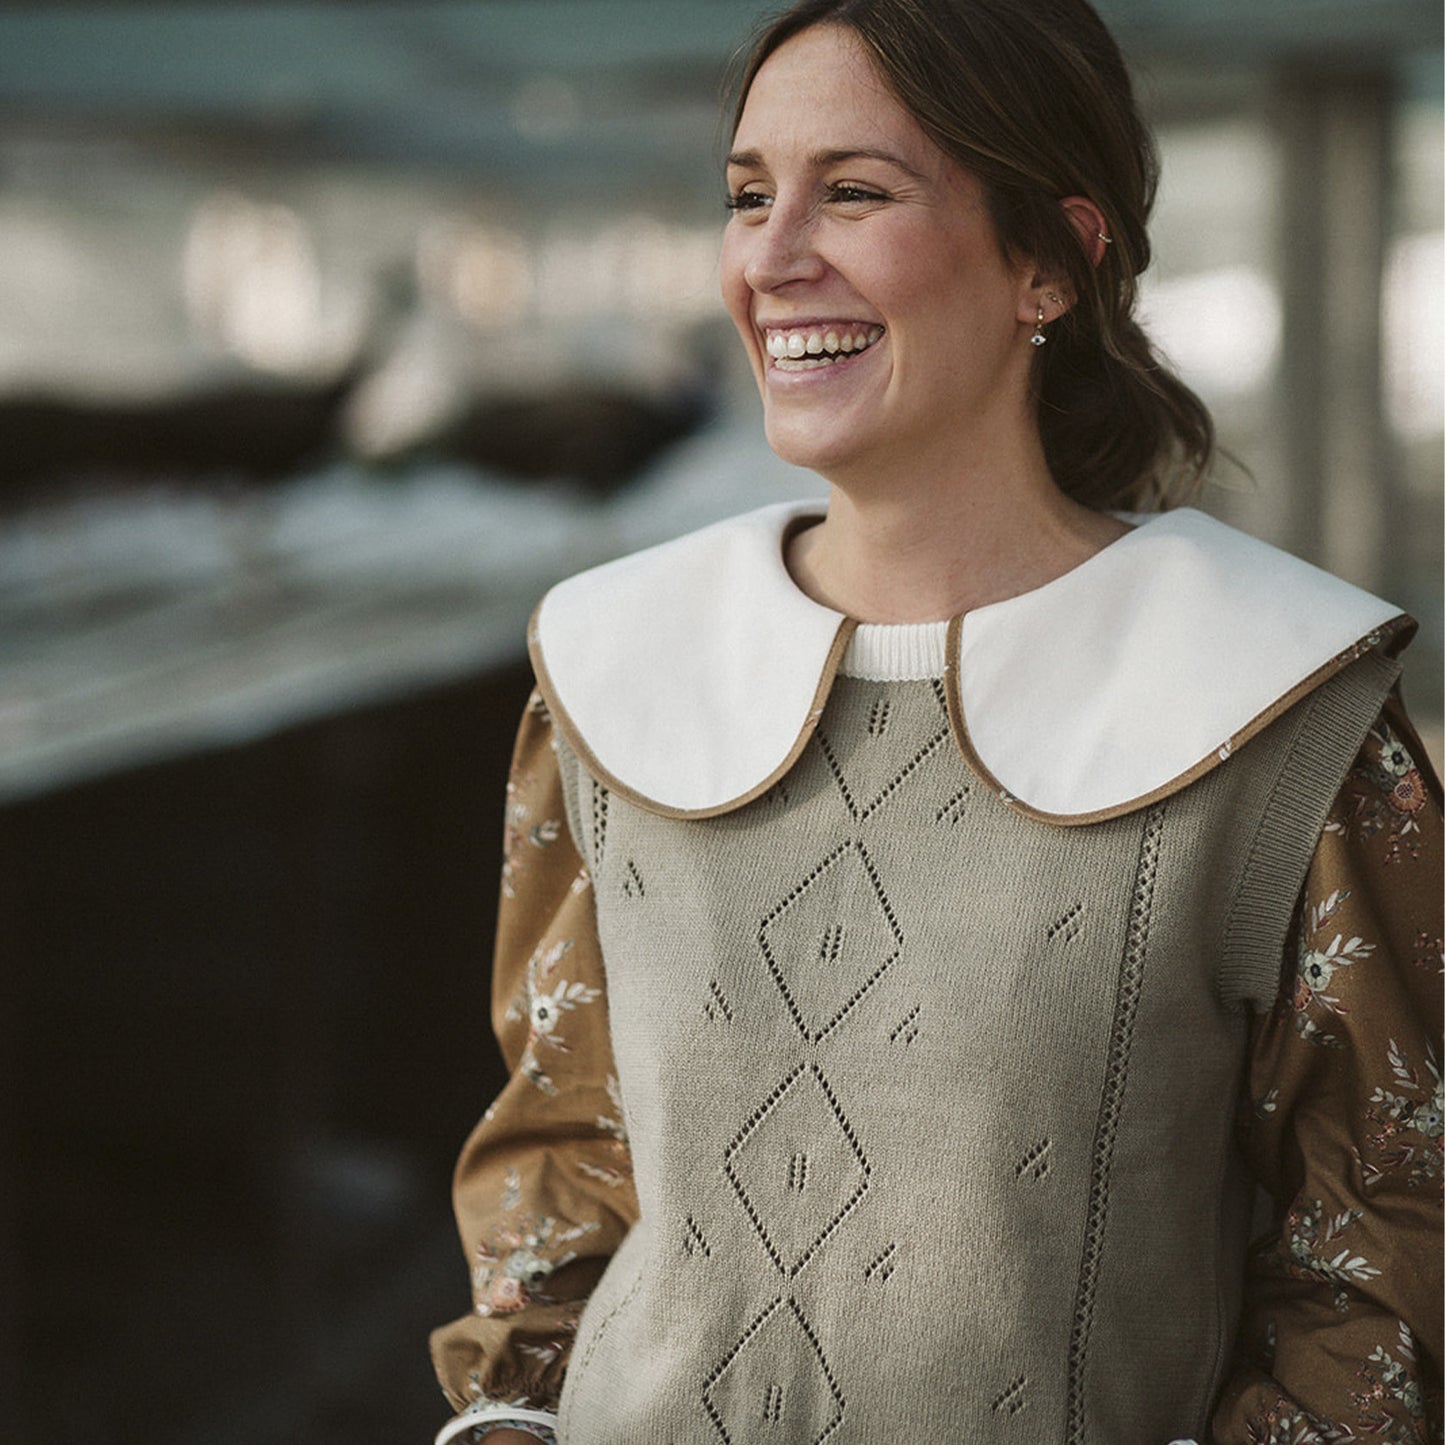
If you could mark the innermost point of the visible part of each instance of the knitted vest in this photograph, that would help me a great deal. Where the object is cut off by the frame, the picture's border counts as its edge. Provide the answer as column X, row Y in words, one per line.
column 931, row 1103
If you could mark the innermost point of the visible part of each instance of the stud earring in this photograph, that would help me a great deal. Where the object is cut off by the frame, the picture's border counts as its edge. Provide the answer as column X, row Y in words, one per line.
column 1038, row 338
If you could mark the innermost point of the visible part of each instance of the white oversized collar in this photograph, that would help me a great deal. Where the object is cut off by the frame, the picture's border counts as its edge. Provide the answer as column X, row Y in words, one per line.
column 689, row 677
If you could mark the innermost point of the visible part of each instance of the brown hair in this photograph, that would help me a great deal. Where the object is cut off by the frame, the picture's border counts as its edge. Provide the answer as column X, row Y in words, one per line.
column 1033, row 97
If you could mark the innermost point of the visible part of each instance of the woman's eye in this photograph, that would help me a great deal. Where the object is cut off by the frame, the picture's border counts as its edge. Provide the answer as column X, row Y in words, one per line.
column 853, row 195
column 848, row 195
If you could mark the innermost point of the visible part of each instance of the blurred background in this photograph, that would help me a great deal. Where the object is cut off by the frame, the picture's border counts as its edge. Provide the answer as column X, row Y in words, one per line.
column 330, row 335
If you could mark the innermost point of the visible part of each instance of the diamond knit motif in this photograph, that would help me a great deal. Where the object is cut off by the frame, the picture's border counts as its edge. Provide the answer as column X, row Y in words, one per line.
column 830, row 940
column 889, row 755
column 797, row 1168
column 776, row 1384
column 796, row 1165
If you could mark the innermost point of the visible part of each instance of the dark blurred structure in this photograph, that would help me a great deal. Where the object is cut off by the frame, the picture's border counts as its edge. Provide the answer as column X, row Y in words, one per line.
column 245, row 1015
column 259, row 433
column 597, row 436
column 330, row 334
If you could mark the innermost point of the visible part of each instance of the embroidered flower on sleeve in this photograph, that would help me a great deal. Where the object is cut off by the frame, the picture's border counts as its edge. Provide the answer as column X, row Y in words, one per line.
column 548, row 1008
column 1429, row 951
column 1392, row 1404
column 1394, row 757
column 1284, row 1423
column 1409, row 794
column 544, row 1001
column 523, row 832
column 509, row 1270
column 618, row 1174
column 1319, row 959
column 1310, row 1237
column 1266, row 1104
column 1385, row 791
column 1407, row 1123
column 522, row 835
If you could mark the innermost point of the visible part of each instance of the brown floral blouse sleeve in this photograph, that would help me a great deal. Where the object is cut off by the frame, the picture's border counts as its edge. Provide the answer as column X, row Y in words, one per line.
column 543, row 1190
column 1341, row 1337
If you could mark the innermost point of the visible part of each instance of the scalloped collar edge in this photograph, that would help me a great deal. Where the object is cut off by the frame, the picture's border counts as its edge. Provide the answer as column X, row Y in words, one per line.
column 689, row 677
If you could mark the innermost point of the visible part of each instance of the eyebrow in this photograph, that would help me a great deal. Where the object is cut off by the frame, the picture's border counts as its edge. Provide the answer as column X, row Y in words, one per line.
column 753, row 160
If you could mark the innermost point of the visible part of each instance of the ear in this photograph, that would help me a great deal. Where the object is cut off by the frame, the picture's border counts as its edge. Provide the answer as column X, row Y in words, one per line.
column 1052, row 294
column 1088, row 221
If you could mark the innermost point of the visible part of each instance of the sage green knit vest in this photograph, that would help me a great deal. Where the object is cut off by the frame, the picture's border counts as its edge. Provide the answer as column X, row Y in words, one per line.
column 931, row 1104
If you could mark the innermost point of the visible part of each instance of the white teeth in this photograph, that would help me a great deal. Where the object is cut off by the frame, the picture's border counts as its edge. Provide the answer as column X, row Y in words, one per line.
column 804, row 350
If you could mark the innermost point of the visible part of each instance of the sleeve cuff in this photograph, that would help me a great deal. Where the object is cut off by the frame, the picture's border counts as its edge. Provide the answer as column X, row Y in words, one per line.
column 493, row 1414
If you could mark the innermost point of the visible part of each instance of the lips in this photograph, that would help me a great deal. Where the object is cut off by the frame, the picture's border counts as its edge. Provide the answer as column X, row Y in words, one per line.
column 803, row 348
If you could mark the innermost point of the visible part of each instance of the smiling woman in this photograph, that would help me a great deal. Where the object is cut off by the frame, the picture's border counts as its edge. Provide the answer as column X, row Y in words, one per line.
column 904, row 899
column 881, row 238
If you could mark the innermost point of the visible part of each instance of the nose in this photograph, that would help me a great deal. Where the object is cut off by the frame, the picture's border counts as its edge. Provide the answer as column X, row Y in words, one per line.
column 784, row 250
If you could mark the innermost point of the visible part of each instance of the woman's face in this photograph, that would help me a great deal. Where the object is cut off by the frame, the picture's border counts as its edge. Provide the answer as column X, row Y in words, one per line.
column 860, row 266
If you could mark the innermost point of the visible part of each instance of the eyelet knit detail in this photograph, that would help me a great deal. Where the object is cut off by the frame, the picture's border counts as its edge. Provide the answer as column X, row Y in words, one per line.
column 896, row 652
column 1129, row 989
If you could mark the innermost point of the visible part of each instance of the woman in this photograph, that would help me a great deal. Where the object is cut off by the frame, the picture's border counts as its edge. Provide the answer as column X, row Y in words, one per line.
column 901, row 901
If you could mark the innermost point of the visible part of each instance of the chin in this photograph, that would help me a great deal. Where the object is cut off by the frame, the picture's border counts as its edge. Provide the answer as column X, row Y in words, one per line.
column 801, row 447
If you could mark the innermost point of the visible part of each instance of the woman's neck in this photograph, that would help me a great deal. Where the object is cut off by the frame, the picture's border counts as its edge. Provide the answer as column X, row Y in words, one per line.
column 921, row 553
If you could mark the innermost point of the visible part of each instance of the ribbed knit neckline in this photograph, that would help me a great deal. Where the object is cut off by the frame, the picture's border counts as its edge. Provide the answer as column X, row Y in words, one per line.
column 896, row 651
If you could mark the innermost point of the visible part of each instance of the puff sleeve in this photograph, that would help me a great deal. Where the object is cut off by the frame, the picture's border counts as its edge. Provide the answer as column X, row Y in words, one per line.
column 1341, row 1335
column 543, row 1189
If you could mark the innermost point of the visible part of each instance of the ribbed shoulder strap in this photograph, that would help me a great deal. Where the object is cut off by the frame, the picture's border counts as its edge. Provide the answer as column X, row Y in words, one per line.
column 582, row 797
column 1319, row 740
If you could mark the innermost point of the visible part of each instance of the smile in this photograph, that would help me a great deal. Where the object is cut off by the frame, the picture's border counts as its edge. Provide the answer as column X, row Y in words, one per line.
column 808, row 348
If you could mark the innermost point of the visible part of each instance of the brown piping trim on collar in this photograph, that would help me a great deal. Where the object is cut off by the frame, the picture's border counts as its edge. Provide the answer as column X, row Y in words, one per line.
column 588, row 758
column 1390, row 639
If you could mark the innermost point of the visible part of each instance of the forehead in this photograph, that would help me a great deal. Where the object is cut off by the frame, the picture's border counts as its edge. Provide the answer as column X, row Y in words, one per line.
column 821, row 90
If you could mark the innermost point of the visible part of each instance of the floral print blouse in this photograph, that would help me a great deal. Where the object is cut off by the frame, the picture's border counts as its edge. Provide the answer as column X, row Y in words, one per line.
column 1343, row 1125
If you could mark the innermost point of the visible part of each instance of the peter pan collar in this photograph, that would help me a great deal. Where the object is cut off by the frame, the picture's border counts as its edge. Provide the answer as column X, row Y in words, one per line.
column 689, row 677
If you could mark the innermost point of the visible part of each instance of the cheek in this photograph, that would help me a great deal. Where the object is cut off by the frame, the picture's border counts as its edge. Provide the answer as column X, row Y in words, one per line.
column 736, row 293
